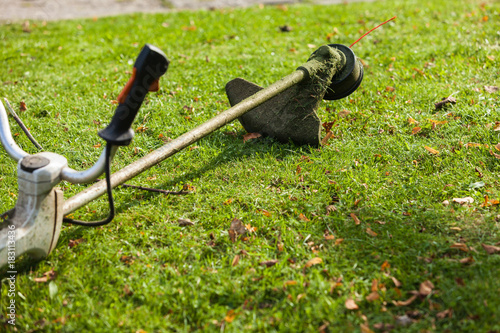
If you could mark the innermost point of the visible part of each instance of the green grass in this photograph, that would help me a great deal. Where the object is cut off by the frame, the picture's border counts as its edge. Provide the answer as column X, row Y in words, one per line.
column 143, row 272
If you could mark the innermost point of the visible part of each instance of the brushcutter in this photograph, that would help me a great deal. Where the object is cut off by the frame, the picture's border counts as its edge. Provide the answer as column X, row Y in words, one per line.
column 285, row 110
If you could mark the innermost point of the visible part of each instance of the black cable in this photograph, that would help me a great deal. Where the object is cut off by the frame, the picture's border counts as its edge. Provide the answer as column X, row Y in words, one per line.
column 107, row 170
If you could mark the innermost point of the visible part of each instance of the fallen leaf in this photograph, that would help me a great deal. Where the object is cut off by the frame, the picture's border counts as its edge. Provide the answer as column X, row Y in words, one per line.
column 236, row 229
column 383, row 326
column 344, row 113
column 351, row 305
column 236, row 260
column 412, row 121
column 330, row 237
column 371, row 232
column 415, row 130
column 390, row 89
column 47, row 276
column 463, row 201
column 396, row 282
column 373, row 296
column 127, row 291
column 269, row 263
column 22, row 106
column 365, row 328
column 496, row 155
column 97, row 145
column 290, row 283
column 385, row 266
column 497, row 146
column 264, row 212
column 443, row 314
column 128, row 260
column 356, row 219
column 431, row 150
column 250, row 136
column 473, row 145
column 303, row 218
column 73, row 243
column 231, row 314
column 330, row 209
column 468, row 260
column 460, row 246
column 491, row 89
column 447, row 100
column 313, row 261
column 185, row 222
column 426, row 288
column 405, row 303
column 491, row 249
column 250, row 228
column 338, row 241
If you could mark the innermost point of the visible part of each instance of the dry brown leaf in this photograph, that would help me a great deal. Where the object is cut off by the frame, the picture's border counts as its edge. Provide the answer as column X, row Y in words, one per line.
column 47, row 276
column 330, row 209
column 384, row 327
column 338, row 241
column 290, row 283
column 425, row 288
column 463, row 201
column 385, row 266
column 496, row 127
column 473, row 145
column 365, row 328
column 373, row 296
column 431, row 150
column 250, row 228
column 264, row 212
column 468, row 260
column 250, row 136
column 443, row 314
column 444, row 102
column 491, row 249
column 303, row 218
column 415, row 130
column 329, row 237
column 231, row 314
column 236, row 229
column 371, row 232
column 460, row 246
column 269, row 263
column 390, row 89
column 412, row 121
column 344, row 113
column 351, row 305
column 236, row 260
column 22, row 106
column 491, row 89
column 396, row 282
column 185, row 222
column 405, row 303
column 496, row 155
column 73, row 243
column 497, row 146
column 355, row 218
column 313, row 261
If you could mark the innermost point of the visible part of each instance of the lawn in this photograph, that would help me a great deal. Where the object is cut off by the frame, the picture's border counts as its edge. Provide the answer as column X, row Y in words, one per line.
column 367, row 233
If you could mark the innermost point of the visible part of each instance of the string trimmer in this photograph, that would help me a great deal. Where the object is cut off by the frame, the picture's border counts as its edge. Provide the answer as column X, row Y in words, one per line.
column 286, row 110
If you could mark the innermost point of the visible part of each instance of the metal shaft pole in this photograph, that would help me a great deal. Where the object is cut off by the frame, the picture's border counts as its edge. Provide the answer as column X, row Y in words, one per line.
column 160, row 154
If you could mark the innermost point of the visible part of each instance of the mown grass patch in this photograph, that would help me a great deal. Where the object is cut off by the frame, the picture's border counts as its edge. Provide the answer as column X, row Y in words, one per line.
column 144, row 272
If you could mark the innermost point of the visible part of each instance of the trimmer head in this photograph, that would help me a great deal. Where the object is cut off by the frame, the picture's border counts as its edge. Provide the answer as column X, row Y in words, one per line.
column 333, row 72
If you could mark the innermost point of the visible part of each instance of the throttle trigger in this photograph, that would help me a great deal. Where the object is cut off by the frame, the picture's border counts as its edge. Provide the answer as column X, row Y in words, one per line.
column 155, row 86
column 124, row 93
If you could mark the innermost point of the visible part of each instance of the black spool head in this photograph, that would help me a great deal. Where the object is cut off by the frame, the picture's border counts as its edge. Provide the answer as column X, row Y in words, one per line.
column 348, row 80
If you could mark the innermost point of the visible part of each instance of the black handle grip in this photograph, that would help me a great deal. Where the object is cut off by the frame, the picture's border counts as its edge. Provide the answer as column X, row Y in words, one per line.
column 150, row 65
